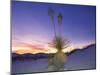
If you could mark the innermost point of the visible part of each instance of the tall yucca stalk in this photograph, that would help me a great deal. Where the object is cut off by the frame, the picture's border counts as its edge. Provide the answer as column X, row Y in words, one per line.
column 51, row 14
column 60, row 18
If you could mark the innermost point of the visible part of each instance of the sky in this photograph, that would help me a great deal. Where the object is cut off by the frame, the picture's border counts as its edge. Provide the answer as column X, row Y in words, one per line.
column 32, row 28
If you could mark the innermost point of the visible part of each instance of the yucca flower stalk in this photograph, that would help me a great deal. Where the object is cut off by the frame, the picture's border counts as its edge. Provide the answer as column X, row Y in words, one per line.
column 51, row 14
column 60, row 18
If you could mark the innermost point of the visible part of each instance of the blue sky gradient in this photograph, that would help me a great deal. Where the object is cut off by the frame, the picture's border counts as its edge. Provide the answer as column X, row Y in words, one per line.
column 30, row 20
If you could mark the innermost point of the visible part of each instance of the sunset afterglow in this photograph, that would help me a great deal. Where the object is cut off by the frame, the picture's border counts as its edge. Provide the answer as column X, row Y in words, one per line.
column 32, row 30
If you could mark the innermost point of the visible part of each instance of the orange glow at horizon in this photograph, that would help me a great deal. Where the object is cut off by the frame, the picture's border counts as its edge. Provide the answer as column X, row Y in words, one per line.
column 30, row 51
column 22, row 48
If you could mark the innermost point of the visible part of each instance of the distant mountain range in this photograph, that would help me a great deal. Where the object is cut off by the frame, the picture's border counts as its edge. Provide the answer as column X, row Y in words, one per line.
column 16, row 56
column 75, row 53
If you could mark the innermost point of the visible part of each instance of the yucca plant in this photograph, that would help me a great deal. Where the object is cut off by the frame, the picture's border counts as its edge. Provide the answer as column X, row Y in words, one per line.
column 59, row 58
column 56, row 61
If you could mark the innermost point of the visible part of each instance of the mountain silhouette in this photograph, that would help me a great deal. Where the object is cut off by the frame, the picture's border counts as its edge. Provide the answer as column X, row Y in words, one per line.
column 75, row 54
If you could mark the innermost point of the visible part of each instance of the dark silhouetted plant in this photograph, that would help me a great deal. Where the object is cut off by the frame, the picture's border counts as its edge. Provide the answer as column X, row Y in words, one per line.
column 56, row 62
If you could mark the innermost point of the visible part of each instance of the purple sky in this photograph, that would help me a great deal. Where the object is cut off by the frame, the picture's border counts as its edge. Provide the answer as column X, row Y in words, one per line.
column 31, row 23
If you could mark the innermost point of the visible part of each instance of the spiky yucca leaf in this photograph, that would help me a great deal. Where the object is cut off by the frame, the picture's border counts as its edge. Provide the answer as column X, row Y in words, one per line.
column 59, row 43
